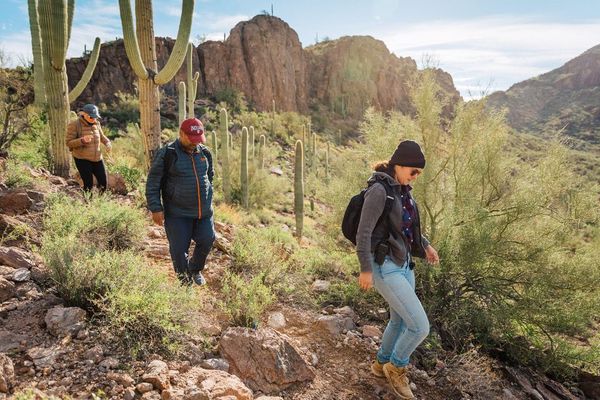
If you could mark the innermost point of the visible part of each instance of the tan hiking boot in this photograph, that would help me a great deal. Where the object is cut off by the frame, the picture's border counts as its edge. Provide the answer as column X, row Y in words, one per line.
column 398, row 379
column 377, row 369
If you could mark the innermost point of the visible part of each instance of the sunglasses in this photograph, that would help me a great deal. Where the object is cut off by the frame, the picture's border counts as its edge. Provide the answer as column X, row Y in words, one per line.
column 415, row 172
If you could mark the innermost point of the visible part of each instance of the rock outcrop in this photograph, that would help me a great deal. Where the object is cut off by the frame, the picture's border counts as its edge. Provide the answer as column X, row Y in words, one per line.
column 264, row 59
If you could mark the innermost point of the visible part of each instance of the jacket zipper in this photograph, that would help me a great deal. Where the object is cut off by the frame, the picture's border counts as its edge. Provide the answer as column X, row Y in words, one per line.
column 197, row 187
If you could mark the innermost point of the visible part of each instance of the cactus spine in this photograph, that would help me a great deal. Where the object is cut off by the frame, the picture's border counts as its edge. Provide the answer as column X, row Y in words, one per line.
column 142, row 57
column 192, row 83
column 262, row 147
column 181, row 105
column 55, row 18
column 299, row 189
column 225, row 157
column 244, row 167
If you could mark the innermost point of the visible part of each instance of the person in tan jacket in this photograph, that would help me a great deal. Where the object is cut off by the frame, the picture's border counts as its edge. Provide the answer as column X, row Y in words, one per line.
column 84, row 136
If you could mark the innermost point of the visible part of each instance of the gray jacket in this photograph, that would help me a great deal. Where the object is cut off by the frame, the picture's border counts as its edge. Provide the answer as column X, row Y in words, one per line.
column 369, row 236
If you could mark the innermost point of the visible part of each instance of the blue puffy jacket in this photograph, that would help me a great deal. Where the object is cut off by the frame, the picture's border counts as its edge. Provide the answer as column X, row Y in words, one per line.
column 184, row 180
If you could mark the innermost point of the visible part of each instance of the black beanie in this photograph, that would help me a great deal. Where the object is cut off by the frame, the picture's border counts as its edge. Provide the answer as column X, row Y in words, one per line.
column 408, row 154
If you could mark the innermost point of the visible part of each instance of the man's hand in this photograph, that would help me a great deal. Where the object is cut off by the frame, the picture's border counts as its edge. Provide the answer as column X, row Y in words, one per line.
column 365, row 280
column 158, row 218
column 431, row 255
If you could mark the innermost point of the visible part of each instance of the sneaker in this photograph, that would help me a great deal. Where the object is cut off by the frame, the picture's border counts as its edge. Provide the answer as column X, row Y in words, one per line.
column 377, row 369
column 184, row 279
column 197, row 278
column 398, row 379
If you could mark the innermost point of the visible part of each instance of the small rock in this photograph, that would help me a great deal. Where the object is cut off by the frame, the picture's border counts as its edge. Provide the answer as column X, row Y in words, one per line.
column 314, row 359
column 7, row 374
column 122, row 379
column 276, row 171
column 109, row 363
column 65, row 320
column 346, row 311
column 43, row 357
column 508, row 395
column 157, row 374
column 413, row 387
column 7, row 290
column 335, row 324
column 21, row 275
column 320, row 285
column 15, row 202
column 371, row 331
column 129, row 394
column 276, row 320
column 16, row 257
column 215, row 363
column 144, row 387
column 419, row 373
column 95, row 354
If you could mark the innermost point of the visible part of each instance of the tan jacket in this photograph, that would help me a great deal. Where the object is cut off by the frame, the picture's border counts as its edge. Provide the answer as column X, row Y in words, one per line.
column 86, row 151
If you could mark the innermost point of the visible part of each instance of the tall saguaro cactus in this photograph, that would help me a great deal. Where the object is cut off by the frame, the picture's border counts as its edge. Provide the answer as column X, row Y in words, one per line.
column 213, row 142
column 244, row 167
column 192, row 83
column 55, row 18
column 141, row 52
column 262, row 147
column 252, row 139
column 225, row 155
column 299, row 188
column 36, row 46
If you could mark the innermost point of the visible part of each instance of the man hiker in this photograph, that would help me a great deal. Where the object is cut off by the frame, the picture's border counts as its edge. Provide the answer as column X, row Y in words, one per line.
column 182, row 174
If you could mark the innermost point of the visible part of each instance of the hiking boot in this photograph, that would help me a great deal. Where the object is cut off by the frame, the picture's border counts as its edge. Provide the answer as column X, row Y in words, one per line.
column 398, row 379
column 377, row 368
column 197, row 278
column 184, row 279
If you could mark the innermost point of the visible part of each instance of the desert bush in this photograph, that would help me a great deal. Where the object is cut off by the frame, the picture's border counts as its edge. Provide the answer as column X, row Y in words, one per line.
column 516, row 240
column 127, row 148
column 125, row 109
column 16, row 175
column 32, row 146
column 245, row 300
column 92, row 251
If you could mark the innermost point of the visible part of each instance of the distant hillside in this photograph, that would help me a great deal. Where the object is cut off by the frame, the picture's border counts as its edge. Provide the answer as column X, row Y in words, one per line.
column 567, row 98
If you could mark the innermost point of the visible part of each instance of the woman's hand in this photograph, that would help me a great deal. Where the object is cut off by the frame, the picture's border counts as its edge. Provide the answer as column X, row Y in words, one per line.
column 86, row 139
column 365, row 280
column 431, row 255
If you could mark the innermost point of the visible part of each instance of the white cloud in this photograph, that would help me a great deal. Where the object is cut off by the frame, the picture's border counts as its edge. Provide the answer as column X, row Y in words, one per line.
column 502, row 50
column 223, row 23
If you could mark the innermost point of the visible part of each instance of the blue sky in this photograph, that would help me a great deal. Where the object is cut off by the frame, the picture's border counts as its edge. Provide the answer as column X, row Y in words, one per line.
column 486, row 45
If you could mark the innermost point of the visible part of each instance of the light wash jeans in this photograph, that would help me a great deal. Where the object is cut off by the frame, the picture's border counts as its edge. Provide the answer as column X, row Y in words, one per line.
column 408, row 325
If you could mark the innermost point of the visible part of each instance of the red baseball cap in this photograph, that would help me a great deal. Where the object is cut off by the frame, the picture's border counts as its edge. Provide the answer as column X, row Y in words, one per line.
column 194, row 130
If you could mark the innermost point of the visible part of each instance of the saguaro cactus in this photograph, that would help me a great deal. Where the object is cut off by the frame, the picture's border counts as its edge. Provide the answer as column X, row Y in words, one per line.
column 313, row 153
column 141, row 52
column 225, row 157
column 36, row 46
column 181, row 105
column 299, row 188
column 262, row 147
column 192, row 83
column 252, row 138
column 213, row 142
column 55, row 19
column 244, row 167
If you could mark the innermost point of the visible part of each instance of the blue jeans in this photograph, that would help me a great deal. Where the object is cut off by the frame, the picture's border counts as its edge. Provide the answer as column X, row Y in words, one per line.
column 408, row 325
column 180, row 232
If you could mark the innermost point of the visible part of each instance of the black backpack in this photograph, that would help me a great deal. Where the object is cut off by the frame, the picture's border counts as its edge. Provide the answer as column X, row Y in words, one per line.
column 354, row 209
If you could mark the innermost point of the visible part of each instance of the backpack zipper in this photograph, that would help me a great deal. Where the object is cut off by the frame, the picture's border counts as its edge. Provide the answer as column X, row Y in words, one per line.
column 197, row 187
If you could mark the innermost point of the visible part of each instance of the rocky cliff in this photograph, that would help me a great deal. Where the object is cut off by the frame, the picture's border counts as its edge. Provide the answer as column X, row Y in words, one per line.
column 567, row 98
column 264, row 59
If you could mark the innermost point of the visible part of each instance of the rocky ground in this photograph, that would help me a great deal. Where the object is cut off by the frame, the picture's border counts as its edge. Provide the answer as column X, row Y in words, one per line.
column 296, row 353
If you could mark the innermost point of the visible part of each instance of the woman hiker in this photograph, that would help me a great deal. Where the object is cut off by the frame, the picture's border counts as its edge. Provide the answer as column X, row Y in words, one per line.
column 385, row 252
column 84, row 136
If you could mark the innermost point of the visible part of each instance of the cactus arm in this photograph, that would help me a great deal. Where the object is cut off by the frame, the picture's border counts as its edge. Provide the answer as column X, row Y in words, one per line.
column 181, row 109
column 87, row 74
column 178, row 54
column 36, row 46
column 244, row 167
column 132, row 47
column 299, row 188
column 70, row 12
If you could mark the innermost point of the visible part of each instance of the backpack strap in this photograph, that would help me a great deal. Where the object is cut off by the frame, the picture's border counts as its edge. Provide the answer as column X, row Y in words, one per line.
column 389, row 202
column 169, row 160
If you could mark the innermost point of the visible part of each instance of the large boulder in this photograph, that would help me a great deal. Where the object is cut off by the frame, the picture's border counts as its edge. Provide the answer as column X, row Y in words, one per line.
column 16, row 258
column 264, row 359
column 15, row 202
column 62, row 321
column 7, row 373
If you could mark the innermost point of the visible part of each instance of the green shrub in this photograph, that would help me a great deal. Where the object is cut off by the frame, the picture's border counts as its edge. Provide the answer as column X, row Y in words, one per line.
column 92, row 250
column 33, row 146
column 348, row 293
column 245, row 301
column 16, row 175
